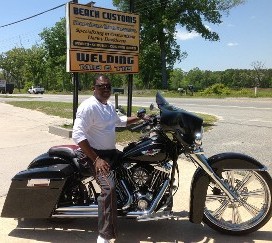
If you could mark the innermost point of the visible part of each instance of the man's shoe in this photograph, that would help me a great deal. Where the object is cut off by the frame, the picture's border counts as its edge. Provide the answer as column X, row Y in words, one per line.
column 102, row 240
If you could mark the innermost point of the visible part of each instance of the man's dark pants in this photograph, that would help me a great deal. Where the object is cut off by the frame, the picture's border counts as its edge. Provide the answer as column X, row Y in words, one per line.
column 107, row 205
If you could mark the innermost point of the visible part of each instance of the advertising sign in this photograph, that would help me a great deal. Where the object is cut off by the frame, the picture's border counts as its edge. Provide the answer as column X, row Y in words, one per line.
column 87, row 61
column 101, row 40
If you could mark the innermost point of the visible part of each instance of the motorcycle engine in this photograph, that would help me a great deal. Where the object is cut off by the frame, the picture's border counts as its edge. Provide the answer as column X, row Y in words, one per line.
column 140, row 176
column 145, row 182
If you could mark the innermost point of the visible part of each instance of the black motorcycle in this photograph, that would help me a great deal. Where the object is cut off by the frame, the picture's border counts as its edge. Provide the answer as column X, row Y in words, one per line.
column 230, row 192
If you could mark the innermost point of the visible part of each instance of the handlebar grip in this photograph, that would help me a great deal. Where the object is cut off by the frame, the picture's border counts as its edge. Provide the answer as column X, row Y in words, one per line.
column 139, row 126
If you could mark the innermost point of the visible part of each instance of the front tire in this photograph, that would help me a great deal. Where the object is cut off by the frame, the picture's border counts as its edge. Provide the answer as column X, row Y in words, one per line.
column 253, row 208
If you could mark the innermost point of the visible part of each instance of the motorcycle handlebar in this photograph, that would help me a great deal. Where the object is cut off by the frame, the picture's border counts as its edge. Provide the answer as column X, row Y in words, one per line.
column 140, row 126
column 152, row 120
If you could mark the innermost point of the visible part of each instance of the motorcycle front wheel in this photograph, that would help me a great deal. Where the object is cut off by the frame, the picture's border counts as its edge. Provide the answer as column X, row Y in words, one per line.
column 253, row 208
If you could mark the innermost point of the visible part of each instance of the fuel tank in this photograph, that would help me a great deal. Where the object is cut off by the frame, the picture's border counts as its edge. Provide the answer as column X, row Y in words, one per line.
column 150, row 149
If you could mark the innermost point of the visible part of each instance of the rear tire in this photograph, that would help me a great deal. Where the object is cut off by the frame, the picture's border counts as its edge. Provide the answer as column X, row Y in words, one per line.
column 253, row 209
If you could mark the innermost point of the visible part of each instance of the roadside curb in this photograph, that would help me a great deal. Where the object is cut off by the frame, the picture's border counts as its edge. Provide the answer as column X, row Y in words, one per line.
column 60, row 131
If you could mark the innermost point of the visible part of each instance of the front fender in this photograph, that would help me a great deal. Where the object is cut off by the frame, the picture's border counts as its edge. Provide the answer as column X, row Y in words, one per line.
column 228, row 161
column 200, row 181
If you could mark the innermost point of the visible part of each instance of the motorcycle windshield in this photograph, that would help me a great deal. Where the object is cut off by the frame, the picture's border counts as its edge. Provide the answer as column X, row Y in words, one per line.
column 174, row 118
column 160, row 100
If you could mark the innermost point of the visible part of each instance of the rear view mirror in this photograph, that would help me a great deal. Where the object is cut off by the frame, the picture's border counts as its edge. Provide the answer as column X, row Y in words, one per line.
column 141, row 112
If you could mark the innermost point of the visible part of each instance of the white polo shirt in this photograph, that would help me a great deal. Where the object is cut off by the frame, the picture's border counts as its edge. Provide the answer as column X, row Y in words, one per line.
column 96, row 122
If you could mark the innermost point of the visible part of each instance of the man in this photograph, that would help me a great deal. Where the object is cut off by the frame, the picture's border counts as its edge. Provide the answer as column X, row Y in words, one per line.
column 94, row 132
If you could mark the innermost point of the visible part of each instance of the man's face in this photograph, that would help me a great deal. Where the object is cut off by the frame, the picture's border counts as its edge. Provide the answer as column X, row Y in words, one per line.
column 102, row 88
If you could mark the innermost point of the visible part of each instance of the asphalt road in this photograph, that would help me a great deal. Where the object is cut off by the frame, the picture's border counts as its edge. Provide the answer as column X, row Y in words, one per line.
column 244, row 125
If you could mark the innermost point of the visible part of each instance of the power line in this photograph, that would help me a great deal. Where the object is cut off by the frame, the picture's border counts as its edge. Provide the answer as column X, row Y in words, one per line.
column 32, row 16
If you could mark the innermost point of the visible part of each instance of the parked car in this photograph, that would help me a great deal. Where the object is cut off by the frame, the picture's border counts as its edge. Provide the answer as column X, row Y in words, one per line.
column 36, row 90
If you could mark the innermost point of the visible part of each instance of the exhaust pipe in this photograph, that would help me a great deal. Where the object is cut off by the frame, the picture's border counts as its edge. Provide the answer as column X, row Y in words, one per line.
column 77, row 212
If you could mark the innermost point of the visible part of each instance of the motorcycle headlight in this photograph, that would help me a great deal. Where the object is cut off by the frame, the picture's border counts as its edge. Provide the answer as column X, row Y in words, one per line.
column 199, row 136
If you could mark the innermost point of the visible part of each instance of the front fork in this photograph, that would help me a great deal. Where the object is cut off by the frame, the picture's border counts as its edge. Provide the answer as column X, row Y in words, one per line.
column 202, row 161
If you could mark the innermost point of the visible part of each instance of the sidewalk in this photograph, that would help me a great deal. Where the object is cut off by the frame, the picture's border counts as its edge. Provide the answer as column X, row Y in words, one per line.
column 18, row 146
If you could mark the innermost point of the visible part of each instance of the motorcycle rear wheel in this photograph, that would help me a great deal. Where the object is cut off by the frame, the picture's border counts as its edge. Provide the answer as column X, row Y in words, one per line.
column 253, row 209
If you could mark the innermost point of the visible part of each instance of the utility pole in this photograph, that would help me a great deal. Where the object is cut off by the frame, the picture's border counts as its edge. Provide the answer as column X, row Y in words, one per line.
column 130, row 76
column 75, row 80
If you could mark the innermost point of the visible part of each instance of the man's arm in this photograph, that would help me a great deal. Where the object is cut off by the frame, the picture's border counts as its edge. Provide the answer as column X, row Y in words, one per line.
column 134, row 119
column 87, row 150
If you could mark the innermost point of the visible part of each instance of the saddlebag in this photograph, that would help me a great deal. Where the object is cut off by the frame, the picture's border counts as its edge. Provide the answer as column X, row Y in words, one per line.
column 34, row 192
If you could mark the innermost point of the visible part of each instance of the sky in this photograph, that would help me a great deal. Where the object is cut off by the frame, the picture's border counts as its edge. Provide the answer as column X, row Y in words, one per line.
column 245, row 34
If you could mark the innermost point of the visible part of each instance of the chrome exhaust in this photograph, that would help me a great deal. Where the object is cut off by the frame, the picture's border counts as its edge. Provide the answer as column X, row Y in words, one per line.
column 77, row 212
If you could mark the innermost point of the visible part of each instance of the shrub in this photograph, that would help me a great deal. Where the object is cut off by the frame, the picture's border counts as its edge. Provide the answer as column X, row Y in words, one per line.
column 217, row 89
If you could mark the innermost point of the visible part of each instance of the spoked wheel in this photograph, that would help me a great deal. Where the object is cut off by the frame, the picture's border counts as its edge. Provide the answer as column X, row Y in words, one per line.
column 249, row 213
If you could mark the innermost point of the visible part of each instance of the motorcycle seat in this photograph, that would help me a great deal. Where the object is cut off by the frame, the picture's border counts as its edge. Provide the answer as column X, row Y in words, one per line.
column 63, row 151
column 68, row 153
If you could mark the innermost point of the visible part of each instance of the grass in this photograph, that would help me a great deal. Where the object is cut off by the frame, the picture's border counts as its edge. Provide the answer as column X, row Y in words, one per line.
column 65, row 110
column 61, row 109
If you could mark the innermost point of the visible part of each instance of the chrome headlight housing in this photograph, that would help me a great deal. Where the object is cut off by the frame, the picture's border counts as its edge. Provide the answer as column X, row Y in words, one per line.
column 199, row 136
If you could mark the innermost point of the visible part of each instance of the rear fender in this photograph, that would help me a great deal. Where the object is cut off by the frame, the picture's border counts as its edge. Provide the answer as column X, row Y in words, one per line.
column 200, row 181
column 45, row 160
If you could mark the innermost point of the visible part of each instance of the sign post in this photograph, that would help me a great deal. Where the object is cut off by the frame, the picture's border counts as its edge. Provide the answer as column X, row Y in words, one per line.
column 130, row 76
column 75, row 81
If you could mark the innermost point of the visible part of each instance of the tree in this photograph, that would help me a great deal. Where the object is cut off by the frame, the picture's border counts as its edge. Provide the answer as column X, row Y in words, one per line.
column 194, row 77
column 34, row 68
column 159, row 19
column 12, row 62
column 54, row 44
column 25, row 67
column 259, row 72
column 176, row 79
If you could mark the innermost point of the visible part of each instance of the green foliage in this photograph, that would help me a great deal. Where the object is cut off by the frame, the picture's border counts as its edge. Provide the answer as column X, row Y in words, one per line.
column 54, row 42
column 13, row 65
column 217, row 89
column 232, row 78
column 27, row 85
column 177, row 80
column 159, row 19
